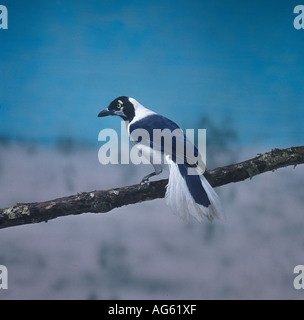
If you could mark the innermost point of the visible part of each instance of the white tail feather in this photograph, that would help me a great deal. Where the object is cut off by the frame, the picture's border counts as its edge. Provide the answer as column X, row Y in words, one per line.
column 178, row 197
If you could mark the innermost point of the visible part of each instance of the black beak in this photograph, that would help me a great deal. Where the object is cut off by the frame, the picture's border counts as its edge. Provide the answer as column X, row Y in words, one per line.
column 105, row 113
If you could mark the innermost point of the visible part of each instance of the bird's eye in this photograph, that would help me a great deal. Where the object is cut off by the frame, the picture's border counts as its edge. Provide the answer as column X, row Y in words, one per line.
column 119, row 106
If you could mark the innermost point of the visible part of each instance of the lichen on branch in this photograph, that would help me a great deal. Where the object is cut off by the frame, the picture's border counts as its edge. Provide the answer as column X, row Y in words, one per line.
column 105, row 201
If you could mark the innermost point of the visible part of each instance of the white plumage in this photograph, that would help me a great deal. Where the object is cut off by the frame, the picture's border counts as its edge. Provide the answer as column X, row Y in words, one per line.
column 178, row 197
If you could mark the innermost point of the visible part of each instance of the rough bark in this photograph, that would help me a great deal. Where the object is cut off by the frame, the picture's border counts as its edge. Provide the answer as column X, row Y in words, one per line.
column 104, row 201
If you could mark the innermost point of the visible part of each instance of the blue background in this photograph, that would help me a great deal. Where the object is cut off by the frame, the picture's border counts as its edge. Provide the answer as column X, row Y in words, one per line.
column 238, row 63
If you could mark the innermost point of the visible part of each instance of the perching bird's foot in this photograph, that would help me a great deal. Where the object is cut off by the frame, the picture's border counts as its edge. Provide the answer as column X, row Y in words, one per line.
column 145, row 181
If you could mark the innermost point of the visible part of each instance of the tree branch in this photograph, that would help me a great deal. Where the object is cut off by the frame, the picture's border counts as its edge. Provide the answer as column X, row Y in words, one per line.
column 104, row 201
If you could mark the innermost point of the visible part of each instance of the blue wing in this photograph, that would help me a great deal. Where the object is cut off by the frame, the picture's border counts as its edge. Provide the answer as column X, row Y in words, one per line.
column 156, row 121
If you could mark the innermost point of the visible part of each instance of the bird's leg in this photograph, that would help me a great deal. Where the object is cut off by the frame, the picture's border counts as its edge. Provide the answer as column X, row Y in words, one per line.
column 158, row 169
column 146, row 178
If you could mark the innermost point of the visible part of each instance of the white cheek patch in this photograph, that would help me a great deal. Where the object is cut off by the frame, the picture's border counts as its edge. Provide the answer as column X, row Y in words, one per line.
column 119, row 112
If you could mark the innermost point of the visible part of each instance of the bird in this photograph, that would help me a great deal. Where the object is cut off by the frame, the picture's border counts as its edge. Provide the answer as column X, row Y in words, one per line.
column 189, row 195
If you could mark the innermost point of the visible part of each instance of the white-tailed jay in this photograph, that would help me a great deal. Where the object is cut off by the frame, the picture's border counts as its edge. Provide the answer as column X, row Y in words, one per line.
column 187, row 194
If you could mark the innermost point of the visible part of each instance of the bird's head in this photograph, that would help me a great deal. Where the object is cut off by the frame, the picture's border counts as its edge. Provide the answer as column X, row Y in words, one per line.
column 122, row 107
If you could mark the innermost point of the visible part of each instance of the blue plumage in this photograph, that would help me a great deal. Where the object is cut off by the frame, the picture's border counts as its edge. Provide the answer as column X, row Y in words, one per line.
column 195, row 187
column 156, row 121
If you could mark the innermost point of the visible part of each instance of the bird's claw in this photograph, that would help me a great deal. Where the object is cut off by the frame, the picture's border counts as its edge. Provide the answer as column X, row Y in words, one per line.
column 145, row 181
